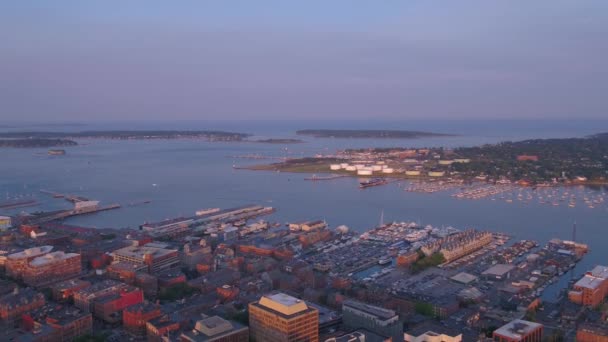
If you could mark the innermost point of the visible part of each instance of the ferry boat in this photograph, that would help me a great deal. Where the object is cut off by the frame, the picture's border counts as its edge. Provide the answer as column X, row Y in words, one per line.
column 372, row 182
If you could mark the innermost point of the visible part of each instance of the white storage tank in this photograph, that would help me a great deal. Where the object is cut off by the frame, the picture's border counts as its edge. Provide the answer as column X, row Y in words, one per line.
column 365, row 172
column 335, row 167
column 436, row 174
column 388, row 170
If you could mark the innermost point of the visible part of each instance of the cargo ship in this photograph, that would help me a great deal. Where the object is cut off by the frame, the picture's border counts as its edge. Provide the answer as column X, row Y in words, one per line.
column 372, row 182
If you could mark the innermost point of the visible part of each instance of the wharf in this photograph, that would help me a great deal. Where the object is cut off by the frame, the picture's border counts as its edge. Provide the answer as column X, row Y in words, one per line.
column 317, row 178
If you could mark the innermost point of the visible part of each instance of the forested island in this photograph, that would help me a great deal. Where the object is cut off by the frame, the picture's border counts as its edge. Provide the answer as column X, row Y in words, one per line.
column 375, row 134
column 36, row 142
column 130, row 134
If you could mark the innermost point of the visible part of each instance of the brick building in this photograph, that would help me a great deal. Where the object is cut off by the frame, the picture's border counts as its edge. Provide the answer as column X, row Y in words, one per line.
column 135, row 317
column 16, row 262
column 592, row 288
column 51, row 268
column 21, row 301
column 155, row 259
column 281, row 318
column 66, row 322
column 64, row 290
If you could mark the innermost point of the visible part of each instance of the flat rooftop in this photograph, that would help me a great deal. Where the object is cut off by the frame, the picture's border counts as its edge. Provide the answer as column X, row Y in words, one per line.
column 213, row 325
column 370, row 309
column 31, row 252
column 464, row 278
column 517, row 328
column 283, row 303
column 51, row 258
column 138, row 252
column 600, row 272
column 498, row 270
column 589, row 282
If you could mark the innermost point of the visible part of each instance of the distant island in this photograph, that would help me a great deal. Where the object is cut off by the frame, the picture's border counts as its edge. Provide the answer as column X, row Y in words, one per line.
column 36, row 142
column 129, row 134
column 279, row 141
column 367, row 133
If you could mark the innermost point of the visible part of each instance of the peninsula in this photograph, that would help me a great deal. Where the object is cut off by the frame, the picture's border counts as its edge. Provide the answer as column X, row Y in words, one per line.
column 35, row 143
column 367, row 133
column 529, row 162
column 129, row 135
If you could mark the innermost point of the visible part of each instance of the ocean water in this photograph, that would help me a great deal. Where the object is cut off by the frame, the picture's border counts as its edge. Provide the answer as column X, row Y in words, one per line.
column 182, row 176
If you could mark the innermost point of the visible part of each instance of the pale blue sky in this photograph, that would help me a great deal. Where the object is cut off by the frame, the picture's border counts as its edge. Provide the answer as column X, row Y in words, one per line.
column 114, row 60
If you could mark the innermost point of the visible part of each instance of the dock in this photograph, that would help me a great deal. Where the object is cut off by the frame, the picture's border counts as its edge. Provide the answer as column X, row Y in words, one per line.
column 323, row 178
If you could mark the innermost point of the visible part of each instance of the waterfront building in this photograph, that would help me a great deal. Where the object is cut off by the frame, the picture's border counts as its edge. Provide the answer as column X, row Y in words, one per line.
column 458, row 245
column 592, row 288
column 519, row 331
column 156, row 259
column 21, row 301
column 216, row 329
column 16, row 262
column 176, row 227
column 51, row 268
column 279, row 317
column 135, row 317
column 378, row 320
column 307, row 226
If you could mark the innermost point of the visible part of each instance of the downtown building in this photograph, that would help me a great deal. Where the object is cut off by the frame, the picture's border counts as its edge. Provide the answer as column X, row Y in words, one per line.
column 216, row 329
column 519, row 331
column 51, row 268
column 279, row 317
column 155, row 259
column 384, row 322
column 17, row 262
column 107, row 299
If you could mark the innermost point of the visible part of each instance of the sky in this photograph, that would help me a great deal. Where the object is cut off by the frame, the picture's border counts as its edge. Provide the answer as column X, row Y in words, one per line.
column 340, row 59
